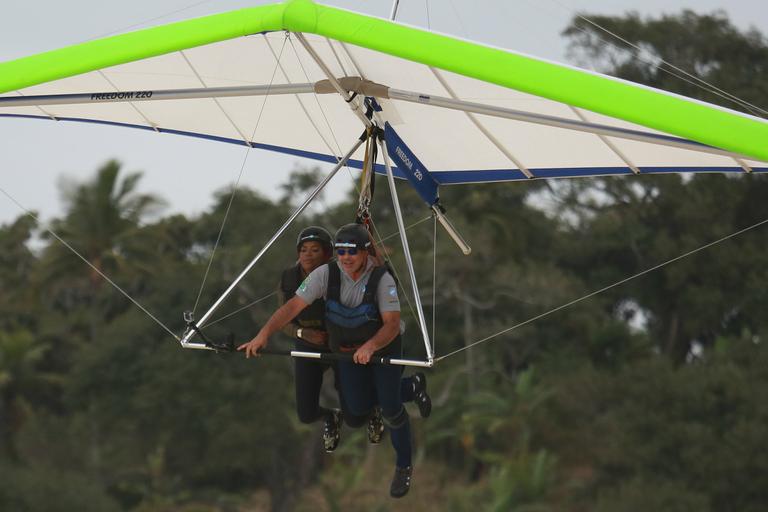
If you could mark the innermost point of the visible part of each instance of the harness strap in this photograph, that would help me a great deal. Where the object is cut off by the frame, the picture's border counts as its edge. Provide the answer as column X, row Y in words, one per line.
column 369, row 296
column 291, row 279
column 367, row 179
column 334, row 283
column 371, row 287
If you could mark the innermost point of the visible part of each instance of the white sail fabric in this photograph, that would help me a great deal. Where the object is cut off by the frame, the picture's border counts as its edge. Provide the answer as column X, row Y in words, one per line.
column 459, row 147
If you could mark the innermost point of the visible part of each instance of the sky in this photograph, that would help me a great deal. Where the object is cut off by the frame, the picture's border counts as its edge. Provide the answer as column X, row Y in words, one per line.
column 35, row 156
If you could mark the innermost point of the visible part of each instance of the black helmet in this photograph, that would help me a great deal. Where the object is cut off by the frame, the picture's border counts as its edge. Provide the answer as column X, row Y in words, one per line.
column 314, row 234
column 352, row 235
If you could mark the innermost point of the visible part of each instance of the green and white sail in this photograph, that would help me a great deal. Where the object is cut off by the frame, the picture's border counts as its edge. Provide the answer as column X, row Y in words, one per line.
column 472, row 113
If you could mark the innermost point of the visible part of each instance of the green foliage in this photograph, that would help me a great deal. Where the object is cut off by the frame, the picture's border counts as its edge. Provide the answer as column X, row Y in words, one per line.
column 42, row 489
column 102, row 222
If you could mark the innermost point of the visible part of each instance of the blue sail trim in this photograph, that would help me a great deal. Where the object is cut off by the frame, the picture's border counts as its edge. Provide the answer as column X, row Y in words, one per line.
column 408, row 163
column 358, row 164
column 453, row 177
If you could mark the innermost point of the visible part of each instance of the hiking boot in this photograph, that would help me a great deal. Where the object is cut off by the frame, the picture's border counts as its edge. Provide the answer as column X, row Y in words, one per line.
column 332, row 430
column 401, row 482
column 375, row 427
column 420, row 396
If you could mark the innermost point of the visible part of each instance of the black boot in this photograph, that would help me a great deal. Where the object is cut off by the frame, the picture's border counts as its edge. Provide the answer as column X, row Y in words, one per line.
column 420, row 396
column 401, row 482
column 375, row 427
column 332, row 430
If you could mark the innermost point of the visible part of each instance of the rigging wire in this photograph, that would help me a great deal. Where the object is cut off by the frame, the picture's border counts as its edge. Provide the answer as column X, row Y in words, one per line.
column 85, row 260
column 325, row 116
column 238, row 310
column 237, row 182
column 687, row 77
column 407, row 228
column 150, row 20
column 320, row 133
column 691, row 79
column 681, row 74
column 262, row 299
column 349, row 172
column 601, row 290
column 319, row 105
column 464, row 31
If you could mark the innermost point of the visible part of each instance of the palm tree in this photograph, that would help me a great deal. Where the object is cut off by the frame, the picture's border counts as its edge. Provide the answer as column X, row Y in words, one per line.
column 18, row 267
column 102, row 223
column 20, row 358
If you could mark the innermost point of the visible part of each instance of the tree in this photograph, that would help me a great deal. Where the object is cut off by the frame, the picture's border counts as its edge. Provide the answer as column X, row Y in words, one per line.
column 641, row 223
column 102, row 220
column 21, row 380
column 653, row 51
column 18, row 266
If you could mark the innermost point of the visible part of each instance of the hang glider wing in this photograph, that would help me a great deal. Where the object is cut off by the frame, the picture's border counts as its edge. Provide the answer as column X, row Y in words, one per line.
column 472, row 113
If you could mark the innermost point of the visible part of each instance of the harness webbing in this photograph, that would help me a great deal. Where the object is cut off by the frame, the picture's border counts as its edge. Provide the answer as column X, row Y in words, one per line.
column 367, row 180
column 334, row 284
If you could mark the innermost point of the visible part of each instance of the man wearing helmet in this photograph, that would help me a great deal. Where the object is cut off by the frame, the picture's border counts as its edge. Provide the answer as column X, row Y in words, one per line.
column 362, row 315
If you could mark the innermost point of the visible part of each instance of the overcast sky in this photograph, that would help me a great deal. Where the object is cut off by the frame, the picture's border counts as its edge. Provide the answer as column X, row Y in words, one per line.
column 35, row 154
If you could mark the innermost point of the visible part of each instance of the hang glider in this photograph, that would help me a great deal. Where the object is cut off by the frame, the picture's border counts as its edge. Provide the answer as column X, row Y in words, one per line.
column 305, row 79
column 472, row 113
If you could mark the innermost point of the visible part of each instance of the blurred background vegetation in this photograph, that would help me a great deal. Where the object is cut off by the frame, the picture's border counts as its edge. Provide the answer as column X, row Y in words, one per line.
column 645, row 397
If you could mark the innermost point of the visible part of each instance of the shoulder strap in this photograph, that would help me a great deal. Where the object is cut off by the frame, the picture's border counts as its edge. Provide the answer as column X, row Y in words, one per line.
column 334, row 282
column 391, row 271
column 370, row 296
column 290, row 281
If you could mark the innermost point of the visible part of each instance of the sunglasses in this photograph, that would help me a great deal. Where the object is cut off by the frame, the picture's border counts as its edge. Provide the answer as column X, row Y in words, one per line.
column 351, row 251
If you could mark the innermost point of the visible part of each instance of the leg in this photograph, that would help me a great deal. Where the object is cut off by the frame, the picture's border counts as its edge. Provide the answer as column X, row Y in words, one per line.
column 308, row 380
column 406, row 389
column 358, row 390
column 395, row 416
column 337, row 386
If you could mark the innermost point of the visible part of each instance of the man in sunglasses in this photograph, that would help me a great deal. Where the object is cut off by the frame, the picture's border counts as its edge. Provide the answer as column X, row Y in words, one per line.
column 363, row 318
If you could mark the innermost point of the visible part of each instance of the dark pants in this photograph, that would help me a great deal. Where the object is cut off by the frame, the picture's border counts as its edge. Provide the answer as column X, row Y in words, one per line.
column 366, row 386
column 309, row 380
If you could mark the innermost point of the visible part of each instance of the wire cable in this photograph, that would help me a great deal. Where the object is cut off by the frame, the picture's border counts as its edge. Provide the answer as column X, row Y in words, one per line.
column 687, row 77
column 262, row 299
column 681, row 74
column 601, row 290
column 85, row 260
column 265, row 297
column 150, row 20
column 237, row 182
column 377, row 235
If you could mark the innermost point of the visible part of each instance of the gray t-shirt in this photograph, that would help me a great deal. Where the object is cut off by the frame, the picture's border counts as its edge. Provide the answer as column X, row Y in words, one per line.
column 315, row 286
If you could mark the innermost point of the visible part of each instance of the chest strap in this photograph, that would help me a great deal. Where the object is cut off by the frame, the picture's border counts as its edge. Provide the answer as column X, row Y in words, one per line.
column 371, row 287
column 290, row 281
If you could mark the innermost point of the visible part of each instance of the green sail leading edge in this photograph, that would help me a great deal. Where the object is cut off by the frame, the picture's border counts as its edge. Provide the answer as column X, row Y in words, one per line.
column 689, row 119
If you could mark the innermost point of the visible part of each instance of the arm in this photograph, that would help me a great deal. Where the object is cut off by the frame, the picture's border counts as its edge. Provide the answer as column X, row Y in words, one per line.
column 291, row 329
column 383, row 337
column 279, row 319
